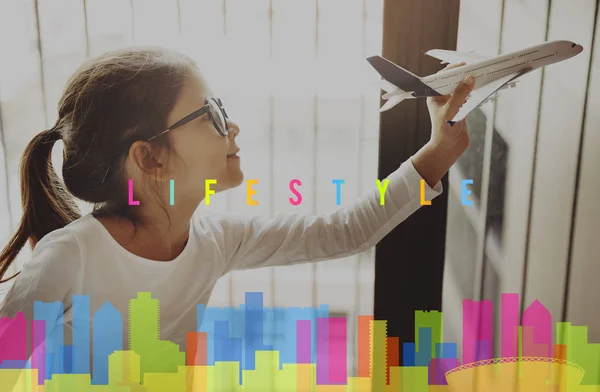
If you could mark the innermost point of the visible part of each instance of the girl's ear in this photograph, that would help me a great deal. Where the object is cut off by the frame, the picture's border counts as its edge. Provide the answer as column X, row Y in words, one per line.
column 145, row 159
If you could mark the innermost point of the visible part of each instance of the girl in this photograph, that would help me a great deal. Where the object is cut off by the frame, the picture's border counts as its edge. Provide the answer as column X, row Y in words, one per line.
column 147, row 115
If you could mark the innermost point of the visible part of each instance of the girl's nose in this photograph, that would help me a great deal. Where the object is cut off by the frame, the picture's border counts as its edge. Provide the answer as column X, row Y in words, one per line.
column 234, row 129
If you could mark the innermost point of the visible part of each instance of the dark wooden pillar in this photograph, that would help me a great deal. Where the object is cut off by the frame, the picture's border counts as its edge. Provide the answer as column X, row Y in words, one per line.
column 410, row 260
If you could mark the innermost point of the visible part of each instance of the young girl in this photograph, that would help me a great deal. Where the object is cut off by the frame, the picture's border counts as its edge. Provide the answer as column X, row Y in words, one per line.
column 147, row 115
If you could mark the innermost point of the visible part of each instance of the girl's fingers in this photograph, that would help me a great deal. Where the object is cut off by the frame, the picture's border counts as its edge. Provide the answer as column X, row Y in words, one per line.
column 458, row 98
column 440, row 99
column 443, row 99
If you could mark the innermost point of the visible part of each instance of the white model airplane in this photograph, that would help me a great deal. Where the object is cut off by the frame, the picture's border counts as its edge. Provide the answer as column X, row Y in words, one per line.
column 491, row 74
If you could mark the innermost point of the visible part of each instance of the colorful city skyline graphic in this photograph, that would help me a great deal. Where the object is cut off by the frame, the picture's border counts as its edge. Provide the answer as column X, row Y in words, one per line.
column 254, row 348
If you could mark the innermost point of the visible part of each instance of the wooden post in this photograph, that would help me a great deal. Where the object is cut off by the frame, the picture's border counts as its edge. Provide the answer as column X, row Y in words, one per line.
column 409, row 262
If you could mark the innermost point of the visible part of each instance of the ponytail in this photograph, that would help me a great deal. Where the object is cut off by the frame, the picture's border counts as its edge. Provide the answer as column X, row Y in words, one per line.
column 47, row 205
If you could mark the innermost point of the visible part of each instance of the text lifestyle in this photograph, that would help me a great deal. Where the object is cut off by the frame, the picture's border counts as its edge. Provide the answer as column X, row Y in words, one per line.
column 382, row 186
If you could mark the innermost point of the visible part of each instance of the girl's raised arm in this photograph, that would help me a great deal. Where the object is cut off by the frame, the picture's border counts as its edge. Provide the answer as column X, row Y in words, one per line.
column 292, row 238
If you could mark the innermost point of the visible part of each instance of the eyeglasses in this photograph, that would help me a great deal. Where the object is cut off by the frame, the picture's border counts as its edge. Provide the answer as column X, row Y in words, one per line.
column 214, row 107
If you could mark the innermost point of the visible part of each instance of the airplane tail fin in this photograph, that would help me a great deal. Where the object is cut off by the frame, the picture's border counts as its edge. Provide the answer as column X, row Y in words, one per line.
column 400, row 77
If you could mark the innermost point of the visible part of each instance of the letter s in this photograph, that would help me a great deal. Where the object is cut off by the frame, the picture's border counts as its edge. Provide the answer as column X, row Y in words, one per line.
column 295, row 181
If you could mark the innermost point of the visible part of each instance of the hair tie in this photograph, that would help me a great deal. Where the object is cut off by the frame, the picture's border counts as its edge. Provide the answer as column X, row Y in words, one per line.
column 54, row 131
column 51, row 135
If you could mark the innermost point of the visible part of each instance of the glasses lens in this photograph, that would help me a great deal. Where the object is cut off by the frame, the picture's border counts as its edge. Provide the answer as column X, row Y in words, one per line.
column 217, row 115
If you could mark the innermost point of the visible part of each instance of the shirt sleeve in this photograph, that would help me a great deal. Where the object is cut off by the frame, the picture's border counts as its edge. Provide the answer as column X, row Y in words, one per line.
column 47, row 276
column 290, row 239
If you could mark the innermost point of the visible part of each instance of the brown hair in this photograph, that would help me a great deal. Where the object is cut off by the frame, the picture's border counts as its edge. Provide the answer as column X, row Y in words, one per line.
column 111, row 101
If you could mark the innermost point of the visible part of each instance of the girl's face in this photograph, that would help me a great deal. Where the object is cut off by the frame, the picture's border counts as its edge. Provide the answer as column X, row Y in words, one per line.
column 201, row 152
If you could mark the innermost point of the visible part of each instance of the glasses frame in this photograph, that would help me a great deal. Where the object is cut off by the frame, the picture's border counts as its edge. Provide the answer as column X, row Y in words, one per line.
column 200, row 112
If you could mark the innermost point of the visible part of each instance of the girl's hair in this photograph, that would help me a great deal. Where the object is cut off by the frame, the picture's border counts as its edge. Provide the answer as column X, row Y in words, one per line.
column 110, row 102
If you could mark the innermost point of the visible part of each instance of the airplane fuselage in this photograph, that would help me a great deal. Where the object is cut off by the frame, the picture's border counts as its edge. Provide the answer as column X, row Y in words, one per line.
column 526, row 60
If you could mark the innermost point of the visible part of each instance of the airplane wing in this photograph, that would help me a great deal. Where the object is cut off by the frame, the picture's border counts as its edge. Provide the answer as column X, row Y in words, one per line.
column 452, row 57
column 483, row 93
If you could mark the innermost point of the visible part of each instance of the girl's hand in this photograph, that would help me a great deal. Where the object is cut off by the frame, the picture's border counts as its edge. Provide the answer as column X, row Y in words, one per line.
column 454, row 139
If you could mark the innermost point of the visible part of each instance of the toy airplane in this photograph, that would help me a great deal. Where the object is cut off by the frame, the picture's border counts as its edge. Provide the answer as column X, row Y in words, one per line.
column 492, row 73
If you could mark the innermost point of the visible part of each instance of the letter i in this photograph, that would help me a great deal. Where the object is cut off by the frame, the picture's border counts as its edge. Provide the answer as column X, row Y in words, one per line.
column 131, row 201
column 172, row 191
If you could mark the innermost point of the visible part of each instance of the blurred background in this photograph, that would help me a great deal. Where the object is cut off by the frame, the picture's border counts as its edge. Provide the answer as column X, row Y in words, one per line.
column 293, row 74
column 535, row 162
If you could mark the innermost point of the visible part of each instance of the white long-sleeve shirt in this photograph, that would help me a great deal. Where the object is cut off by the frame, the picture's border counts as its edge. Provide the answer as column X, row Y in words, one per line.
column 84, row 259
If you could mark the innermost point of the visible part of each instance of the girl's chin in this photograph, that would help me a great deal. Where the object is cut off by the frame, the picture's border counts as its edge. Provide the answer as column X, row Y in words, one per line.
column 239, row 179
column 234, row 180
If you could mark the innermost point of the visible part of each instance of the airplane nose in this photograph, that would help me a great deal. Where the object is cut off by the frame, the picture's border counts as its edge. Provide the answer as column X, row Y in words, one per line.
column 578, row 48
